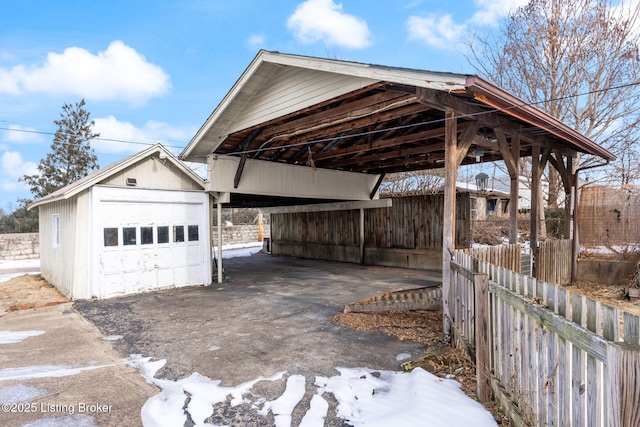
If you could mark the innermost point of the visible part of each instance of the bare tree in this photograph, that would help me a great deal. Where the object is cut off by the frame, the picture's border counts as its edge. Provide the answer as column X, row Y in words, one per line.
column 577, row 60
column 412, row 183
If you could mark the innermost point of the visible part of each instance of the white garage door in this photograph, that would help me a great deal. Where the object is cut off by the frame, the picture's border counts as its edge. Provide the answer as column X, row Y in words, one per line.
column 148, row 239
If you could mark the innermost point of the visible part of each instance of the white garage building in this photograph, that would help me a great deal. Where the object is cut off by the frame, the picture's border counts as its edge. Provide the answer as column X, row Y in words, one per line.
column 137, row 225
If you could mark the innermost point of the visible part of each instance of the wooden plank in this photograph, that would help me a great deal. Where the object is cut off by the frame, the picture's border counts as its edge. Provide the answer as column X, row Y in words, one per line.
column 631, row 328
column 481, row 296
column 325, row 207
column 623, row 364
column 577, row 366
column 563, row 386
column 610, row 323
column 592, row 392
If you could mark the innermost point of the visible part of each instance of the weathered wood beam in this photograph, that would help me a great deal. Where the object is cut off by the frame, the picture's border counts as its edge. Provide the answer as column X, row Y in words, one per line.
column 244, row 147
column 538, row 162
column 449, row 215
column 348, row 111
column 444, row 101
column 508, row 155
column 466, row 138
column 329, row 207
column 377, row 186
column 395, row 156
column 514, row 189
column 353, row 127
column 557, row 161
column 388, row 143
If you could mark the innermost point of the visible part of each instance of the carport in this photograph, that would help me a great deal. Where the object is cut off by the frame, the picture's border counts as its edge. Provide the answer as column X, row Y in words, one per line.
column 297, row 130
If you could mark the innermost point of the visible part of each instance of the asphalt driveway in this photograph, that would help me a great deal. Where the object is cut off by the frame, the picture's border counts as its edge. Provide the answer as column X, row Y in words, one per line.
column 271, row 315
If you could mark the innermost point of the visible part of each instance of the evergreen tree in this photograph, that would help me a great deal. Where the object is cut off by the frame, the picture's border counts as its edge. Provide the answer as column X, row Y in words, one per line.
column 21, row 220
column 71, row 156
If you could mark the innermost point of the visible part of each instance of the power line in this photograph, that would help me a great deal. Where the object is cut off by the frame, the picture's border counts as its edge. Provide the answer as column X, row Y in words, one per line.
column 360, row 134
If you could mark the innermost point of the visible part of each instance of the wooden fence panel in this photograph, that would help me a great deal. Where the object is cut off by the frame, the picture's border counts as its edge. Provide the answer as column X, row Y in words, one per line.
column 551, row 350
column 553, row 261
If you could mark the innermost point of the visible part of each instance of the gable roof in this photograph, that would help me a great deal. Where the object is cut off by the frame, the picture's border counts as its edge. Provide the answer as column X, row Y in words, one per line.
column 108, row 171
column 367, row 118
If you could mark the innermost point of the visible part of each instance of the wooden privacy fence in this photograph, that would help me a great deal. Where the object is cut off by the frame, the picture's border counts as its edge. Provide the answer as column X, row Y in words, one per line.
column 553, row 261
column 507, row 256
column 551, row 357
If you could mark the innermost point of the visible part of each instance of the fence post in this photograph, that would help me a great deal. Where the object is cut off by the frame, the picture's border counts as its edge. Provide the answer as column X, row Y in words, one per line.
column 623, row 366
column 481, row 290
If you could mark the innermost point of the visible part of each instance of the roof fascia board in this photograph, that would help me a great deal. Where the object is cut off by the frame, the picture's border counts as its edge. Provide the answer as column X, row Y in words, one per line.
column 440, row 81
column 226, row 101
column 509, row 104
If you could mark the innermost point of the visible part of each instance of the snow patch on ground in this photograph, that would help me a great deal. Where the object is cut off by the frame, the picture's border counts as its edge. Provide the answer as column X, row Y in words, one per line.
column 76, row 420
column 238, row 250
column 44, row 371
column 8, row 337
column 112, row 338
column 20, row 393
column 383, row 398
column 403, row 356
column 365, row 398
column 25, row 263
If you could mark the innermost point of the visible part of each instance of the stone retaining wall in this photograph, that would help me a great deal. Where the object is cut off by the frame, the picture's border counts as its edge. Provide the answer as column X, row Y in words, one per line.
column 235, row 234
column 19, row 246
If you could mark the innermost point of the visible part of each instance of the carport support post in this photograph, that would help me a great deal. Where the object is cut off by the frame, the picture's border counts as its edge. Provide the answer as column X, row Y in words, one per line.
column 219, row 217
column 362, row 236
column 448, row 226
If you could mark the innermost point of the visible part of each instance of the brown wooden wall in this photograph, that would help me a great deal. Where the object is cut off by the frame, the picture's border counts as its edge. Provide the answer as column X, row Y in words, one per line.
column 411, row 223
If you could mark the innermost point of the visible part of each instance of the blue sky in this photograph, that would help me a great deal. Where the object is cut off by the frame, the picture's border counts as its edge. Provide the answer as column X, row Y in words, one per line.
column 153, row 71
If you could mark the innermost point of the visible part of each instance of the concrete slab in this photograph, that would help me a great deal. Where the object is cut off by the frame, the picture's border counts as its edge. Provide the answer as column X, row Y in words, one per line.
column 70, row 372
column 272, row 315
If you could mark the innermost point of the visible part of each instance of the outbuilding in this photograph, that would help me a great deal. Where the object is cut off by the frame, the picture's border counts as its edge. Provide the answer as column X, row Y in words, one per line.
column 137, row 225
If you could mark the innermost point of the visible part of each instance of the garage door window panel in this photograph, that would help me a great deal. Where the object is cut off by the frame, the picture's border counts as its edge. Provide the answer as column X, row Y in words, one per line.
column 193, row 233
column 111, row 236
column 178, row 233
column 146, row 235
column 129, row 236
column 163, row 234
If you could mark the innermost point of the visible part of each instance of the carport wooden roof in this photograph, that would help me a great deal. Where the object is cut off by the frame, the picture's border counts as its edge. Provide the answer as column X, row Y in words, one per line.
column 352, row 123
column 368, row 118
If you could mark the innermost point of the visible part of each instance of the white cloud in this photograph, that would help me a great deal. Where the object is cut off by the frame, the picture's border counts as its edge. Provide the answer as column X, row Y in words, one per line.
column 16, row 134
column 12, row 168
column 256, row 41
column 324, row 20
column 490, row 11
column 434, row 30
column 441, row 30
column 126, row 138
column 118, row 73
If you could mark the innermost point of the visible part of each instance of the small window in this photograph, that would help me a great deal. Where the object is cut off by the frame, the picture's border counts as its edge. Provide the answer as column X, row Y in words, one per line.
column 163, row 234
column 55, row 231
column 193, row 233
column 178, row 233
column 146, row 235
column 111, row 237
column 128, row 236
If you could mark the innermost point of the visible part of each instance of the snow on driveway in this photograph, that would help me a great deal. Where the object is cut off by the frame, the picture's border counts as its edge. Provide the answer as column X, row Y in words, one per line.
column 365, row 397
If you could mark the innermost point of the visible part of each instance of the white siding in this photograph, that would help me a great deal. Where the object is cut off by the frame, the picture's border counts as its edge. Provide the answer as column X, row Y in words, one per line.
column 153, row 172
column 292, row 89
column 277, row 179
column 57, row 264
